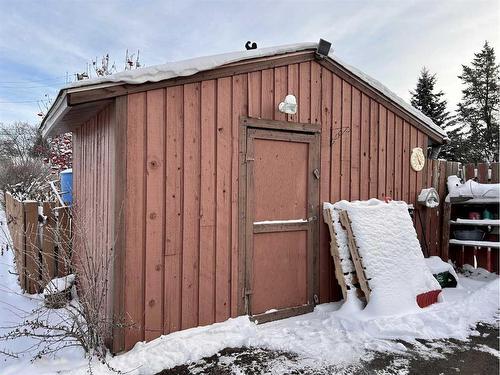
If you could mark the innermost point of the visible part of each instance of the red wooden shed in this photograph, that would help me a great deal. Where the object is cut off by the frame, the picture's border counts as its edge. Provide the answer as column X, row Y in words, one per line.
column 210, row 196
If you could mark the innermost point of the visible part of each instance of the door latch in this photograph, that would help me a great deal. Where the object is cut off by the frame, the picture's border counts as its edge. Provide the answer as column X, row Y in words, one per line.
column 316, row 173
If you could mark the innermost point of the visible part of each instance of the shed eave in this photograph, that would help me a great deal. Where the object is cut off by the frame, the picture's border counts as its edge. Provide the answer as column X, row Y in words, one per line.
column 56, row 112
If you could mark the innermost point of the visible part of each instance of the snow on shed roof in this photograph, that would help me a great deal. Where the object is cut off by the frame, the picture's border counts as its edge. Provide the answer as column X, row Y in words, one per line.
column 192, row 66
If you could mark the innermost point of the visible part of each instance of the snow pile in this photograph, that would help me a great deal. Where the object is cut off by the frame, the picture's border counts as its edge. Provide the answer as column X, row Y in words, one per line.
column 59, row 284
column 479, row 274
column 436, row 265
column 471, row 189
column 391, row 255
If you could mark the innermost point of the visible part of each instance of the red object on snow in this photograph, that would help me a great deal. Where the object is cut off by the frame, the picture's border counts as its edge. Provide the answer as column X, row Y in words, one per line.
column 387, row 199
column 428, row 298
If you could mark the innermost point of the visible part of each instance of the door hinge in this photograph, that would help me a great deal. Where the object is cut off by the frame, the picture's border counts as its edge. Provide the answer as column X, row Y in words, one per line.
column 248, row 158
column 246, row 296
column 316, row 173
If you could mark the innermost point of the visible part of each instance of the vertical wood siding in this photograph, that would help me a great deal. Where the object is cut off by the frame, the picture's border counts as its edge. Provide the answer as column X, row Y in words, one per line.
column 182, row 172
column 93, row 211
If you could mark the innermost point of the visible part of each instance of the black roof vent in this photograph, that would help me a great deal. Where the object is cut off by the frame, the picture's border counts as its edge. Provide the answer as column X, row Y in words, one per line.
column 323, row 48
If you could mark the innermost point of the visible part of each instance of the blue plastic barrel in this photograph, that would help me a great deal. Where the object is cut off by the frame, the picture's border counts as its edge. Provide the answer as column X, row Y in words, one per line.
column 67, row 186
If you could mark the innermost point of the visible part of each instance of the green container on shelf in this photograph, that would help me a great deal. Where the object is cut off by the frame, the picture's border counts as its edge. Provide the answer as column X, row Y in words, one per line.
column 487, row 214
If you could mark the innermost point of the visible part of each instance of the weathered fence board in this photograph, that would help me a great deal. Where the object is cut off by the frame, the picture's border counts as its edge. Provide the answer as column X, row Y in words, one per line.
column 38, row 248
column 48, row 243
column 15, row 221
column 30, row 248
column 495, row 173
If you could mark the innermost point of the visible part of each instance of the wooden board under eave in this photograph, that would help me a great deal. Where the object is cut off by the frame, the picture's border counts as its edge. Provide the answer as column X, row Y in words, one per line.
column 376, row 151
column 398, row 158
column 155, row 212
column 191, row 206
column 239, row 108
column 413, row 189
column 336, row 142
column 345, row 141
column 118, row 165
column 223, row 199
column 325, row 259
column 355, row 145
column 364, row 140
column 174, row 171
column 135, row 209
column 208, row 213
column 389, row 176
column 405, row 162
column 304, row 99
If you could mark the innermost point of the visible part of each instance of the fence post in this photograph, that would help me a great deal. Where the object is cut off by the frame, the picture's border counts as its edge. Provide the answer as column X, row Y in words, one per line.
column 32, row 252
column 495, row 173
column 469, row 171
column 64, row 245
column 34, row 245
column 48, row 244
column 482, row 173
column 15, row 219
column 452, row 168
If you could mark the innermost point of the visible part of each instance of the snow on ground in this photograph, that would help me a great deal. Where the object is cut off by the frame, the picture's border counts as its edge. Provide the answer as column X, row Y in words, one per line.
column 334, row 334
column 14, row 308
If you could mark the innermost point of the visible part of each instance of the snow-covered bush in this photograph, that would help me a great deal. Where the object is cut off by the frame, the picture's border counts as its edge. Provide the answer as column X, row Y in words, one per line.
column 26, row 180
column 23, row 171
column 60, row 152
column 28, row 161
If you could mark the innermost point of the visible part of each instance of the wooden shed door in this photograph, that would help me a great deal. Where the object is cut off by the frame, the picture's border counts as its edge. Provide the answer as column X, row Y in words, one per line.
column 282, row 177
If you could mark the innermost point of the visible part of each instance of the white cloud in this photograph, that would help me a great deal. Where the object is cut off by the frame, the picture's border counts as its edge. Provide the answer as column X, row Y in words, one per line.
column 390, row 40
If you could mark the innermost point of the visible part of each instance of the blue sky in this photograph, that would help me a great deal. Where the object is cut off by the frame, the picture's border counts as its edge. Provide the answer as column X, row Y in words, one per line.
column 42, row 41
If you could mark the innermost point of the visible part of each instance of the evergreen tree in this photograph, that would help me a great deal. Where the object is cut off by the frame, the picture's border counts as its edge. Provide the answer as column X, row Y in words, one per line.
column 477, row 115
column 429, row 102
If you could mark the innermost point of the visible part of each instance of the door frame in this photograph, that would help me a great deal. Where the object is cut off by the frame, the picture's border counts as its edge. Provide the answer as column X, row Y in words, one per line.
column 246, row 226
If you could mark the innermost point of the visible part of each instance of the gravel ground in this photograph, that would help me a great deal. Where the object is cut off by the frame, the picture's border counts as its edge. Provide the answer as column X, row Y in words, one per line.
column 479, row 355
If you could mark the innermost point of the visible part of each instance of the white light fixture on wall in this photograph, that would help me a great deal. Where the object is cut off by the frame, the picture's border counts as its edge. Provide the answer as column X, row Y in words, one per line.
column 289, row 105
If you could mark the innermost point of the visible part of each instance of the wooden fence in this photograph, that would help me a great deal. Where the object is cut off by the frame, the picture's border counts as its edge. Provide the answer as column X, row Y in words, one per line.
column 482, row 172
column 41, row 249
column 428, row 221
column 432, row 224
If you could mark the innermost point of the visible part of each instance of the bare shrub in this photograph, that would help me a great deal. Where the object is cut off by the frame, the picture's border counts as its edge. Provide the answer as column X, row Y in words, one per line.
column 86, row 320
column 23, row 170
